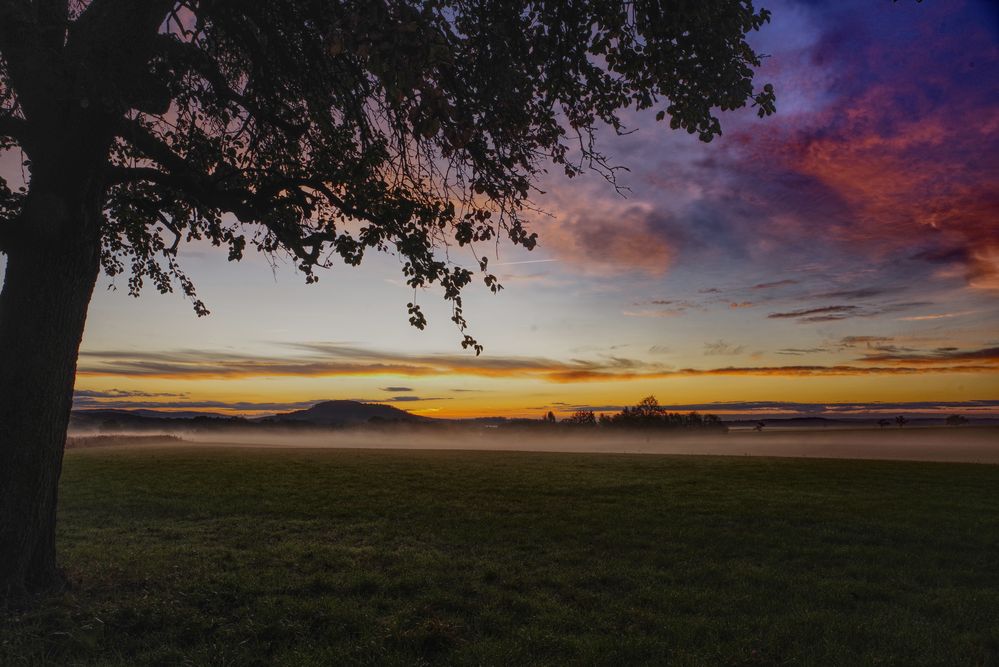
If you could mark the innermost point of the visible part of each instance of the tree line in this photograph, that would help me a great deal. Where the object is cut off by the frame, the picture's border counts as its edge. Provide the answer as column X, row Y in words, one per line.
column 646, row 414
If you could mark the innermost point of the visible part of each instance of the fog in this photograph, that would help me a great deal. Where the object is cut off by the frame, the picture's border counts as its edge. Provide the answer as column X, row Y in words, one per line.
column 967, row 444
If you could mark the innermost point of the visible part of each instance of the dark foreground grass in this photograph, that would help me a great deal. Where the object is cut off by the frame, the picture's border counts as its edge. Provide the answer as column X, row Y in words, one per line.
column 246, row 557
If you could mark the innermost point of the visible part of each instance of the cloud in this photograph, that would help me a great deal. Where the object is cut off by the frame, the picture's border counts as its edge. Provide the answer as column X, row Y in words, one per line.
column 395, row 389
column 776, row 283
column 661, row 308
column 852, row 341
column 409, row 399
column 879, row 167
column 655, row 312
column 336, row 360
column 821, row 313
column 720, row 347
column 937, row 356
column 843, row 312
column 88, row 403
column 605, row 239
column 938, row 316
column 121, row 393
column 859, row 293
column 898, row 160
column 798, row 351
column 833, row 371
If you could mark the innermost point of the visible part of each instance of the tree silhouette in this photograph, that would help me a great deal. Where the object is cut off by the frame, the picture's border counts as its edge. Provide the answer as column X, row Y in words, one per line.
column 648, row 407
column 316, row 129
column 883, row 423
column 581, row 418
column 550, row 417
column 759, row 426
column 956, row 420
column 901, row 421
column 649, row 414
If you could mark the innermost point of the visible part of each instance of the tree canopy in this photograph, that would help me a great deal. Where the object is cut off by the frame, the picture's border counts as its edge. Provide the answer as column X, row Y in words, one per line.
column 326, row 129
column 649, row 414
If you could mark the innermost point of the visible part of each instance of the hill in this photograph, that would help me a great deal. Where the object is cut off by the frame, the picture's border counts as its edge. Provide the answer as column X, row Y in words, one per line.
column 327, row 413
column 343, row 413
column 147, row 420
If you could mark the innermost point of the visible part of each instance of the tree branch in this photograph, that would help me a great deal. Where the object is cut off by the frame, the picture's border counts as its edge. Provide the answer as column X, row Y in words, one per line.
column 53, row 21
column 248, row 206
column 13, row 127
column 197, row 60
column 123, row 23
column 15, row 16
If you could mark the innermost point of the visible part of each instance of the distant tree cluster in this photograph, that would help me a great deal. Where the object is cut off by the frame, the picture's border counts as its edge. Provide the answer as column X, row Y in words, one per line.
column 581, row 418
column 647, row 414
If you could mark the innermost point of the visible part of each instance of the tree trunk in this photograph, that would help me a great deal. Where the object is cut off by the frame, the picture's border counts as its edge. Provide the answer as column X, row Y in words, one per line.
column 49, row 280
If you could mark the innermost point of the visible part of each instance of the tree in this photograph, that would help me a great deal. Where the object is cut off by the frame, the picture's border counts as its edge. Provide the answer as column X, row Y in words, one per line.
column 714, row 422
column 883, row 423
column 956, row 420
column 648, row 409
column 549, row 418
column 901, row 421
column 581, row 418
column 318, row 129
column 648, row 414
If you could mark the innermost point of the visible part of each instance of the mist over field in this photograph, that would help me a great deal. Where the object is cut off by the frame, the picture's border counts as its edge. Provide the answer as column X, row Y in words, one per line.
column 968, row 444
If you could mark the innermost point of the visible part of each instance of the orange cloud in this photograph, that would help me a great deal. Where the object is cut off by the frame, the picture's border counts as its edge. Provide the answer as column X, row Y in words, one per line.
column 938, row 356
column 330, row 360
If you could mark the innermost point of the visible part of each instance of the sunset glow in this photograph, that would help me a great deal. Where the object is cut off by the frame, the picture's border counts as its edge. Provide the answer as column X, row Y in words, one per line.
column 841, row 254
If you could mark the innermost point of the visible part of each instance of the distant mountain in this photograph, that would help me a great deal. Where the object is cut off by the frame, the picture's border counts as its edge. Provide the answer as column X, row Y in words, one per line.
column 117, row 420
column 155, row 414
column 328, row 413
column 343, row 413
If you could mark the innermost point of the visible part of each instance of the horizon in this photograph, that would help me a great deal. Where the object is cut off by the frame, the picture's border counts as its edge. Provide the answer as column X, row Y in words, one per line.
column 729, row 412
column 844, row 252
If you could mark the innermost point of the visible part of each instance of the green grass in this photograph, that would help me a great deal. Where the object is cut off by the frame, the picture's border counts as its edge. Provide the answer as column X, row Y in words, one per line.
column 246, row 557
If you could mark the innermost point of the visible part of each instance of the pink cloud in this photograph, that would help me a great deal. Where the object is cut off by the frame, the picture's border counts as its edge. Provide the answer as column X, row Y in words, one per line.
column 598, row 238
column 904, row 158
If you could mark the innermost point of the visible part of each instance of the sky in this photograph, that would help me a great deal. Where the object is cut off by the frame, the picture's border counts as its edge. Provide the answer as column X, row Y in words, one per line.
column 839, row 257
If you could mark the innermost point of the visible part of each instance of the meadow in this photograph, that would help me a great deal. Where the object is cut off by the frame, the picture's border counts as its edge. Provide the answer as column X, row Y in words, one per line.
column 238, row 556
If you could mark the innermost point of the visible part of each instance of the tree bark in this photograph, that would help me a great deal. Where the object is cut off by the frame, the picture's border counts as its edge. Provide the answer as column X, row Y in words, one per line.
column 50, row 276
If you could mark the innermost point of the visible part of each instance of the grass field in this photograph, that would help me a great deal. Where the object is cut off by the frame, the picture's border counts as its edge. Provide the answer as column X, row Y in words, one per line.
column 323, row 557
